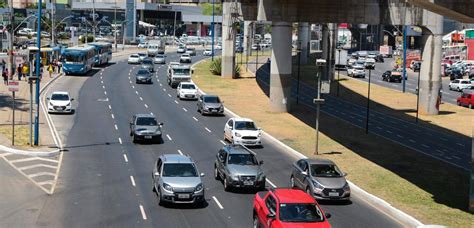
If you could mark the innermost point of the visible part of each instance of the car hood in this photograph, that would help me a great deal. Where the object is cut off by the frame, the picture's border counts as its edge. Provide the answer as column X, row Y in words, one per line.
column 248, row 132
column 147, row 128
column 331, row 182
column 59, row 103
column 182, row 182
column 143, row 76
column 246, row 170
column 212, row 105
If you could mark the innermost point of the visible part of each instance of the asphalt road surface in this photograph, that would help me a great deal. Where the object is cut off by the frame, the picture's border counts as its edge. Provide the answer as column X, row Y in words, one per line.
column 105, row 179
column 453, row 148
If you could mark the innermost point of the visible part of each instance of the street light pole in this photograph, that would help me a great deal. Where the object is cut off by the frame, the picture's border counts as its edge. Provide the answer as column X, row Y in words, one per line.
column 404, row 57
column 368, row 106
column 38, row 70
column 12, row 36
column 93, row 18
column 115, row 25
column 213, row 29
column 418, row 94
column 298, row 78
column 320, row 63
column 338, row 81
column 53, row 8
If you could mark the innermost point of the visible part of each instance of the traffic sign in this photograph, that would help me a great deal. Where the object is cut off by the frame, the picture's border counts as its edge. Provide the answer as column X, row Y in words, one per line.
column 13, row 86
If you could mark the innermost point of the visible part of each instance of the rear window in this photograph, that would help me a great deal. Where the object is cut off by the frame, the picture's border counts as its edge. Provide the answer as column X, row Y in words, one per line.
column 134, row 56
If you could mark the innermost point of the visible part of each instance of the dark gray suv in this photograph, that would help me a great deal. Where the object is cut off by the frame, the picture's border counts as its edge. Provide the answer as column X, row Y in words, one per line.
column 237, row 166
column 144, row 127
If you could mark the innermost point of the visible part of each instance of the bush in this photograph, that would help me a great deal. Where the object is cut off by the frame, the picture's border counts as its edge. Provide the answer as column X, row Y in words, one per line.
column 90, row 38
column 216, row 67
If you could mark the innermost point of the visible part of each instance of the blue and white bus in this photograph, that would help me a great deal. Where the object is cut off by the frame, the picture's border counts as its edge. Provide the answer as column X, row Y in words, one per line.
column 78, row 60
column 103, row 52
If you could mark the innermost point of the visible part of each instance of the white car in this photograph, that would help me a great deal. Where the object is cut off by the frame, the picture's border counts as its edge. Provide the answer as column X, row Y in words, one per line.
column 207, row 52
column 185, row 58
column 218, row 47
column 134, row 59
column 187, row 90
column 242, row 131
column 59, row 102
column 160, row 59
column 142, row 56
column 181, row 49
column 143, row 45
column 460, row 84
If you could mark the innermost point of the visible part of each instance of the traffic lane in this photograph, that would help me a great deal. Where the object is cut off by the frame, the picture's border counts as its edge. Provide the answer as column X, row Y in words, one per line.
column 178, row 134
column 84, row 181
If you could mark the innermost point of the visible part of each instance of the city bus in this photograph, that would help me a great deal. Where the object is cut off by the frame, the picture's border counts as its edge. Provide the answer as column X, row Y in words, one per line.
column 103, row 52
column 78, row 60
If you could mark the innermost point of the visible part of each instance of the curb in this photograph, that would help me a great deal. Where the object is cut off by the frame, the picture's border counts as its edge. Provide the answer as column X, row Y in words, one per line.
column 376, row 201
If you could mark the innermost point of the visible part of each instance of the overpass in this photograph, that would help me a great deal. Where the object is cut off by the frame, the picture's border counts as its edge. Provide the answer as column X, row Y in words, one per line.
column 428, row 14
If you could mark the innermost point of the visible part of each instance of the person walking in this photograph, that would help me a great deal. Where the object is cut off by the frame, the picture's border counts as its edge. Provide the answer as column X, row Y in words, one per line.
column 19, row 70
column 4, row 65
column 60, row 64
column 25, row 70
column 50, row 69
column 5, row 76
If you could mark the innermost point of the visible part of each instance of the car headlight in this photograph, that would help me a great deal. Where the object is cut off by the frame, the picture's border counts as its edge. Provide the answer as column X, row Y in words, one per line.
column 68, row 104
column 346, row 187
column 222, row 107
column 260, row 176
column 234, row 177
column 198, row 188
column 158, row 132
column 167, row 187
column 51, row 104
column 317, row 187
column 237, row 134
column 259, row 134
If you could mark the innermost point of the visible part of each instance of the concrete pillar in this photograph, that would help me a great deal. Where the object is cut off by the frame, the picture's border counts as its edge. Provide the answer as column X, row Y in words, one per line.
column 228, row 42
column 326, row 49
column 303, row 30
column 198, row 29
column 430, row 79
column 332, row 52
column 280, row 69
column 247, row 38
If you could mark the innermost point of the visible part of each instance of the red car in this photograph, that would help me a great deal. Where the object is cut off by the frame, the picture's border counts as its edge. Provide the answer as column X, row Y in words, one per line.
column 466, row 98
column 286, row 207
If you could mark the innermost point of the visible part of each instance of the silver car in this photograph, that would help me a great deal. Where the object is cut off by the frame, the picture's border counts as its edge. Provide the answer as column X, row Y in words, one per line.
column 320, row 178
column 210, row 104
column 148, row 64
column 160, row 59
column 144, row 127
column 237, row 166
column 176, row 180
column 143, row 76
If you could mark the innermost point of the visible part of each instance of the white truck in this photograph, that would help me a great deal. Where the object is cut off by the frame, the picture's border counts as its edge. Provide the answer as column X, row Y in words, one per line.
column 386, row 51
column 156, row 47
column 178, row 74
column 341, row 60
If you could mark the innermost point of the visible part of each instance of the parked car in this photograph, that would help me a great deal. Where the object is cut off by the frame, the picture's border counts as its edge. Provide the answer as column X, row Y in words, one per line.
column 176, row 180
column 186, row 90
column 466, row 99
column 185, row 58
column 242, row 131
column 191, row 51
column 145, row 127
column 134, row 59
column 392, row 76
column 239, row 49
column 143, row 76
column 207, row 52
column 459, row 84
column 320, row 178
column 160, row 59
column 238, row 167
column 60, row 102
column 210, row 104
column 285, row 207
column 148, row 64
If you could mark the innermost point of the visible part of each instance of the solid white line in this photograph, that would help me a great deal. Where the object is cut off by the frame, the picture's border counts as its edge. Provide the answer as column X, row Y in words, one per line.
column 125, row 157
column 195, row 119
column 120, row 140
column 146, row 106
column 132, row 180
column 217, row 202
column 110, row 107
column 185, row 110
column 175, row 101
column 169, row 95
column 141, row 98
column 207, row 129
column 180, row 152
column 168, row 136
column 115, row 125
column 143, row 212
column 222, row 142
column 272, row 184
column 113, row 117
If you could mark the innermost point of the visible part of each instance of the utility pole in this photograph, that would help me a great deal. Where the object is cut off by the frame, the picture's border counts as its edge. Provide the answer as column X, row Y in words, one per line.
column 320, row 64
column 339, row 62
column 115, row 25
column 368, row 106
column 212, row 30
column 418, row 93
column 38, row 70
column 53, row 9
column 12, row 36
column 174, row 26
column 404, row 57
column 93, row 18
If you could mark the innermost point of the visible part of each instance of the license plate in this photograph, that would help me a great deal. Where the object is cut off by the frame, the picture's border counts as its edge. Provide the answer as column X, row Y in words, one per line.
column 147, row 136
column 248, row 182
column 333, row 194
column 183, row 196
column 214, row 110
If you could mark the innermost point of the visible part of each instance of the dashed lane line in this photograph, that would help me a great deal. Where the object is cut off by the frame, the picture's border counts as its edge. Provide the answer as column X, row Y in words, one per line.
column 146, row 106
column 115, row 125
column 195, row 119
column 207, row 129
column 185, row 110
column 125, row 157
column 143, row 212
column 180, row 152
column 222, row 142
column 175, row 101
column 411, row 140
column 132, row 180
column 136, row 92
column 271, row 183
column 110, row 107
column 120, row 140
column 169, row 95
column 169, row 138
column 424, row 145
column 218, row 203
column 112, row 115
column 141, row 98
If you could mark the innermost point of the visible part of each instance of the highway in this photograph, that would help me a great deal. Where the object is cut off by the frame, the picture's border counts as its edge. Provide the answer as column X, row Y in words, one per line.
column 453, row 149
column 105, row 179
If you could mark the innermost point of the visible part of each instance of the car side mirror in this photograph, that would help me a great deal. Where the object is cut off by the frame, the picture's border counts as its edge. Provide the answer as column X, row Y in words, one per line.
column 261, row 162
column 271, row 216
column 48, row 98
column 157, row 174
column 161, row 124
column 192, row 71
column 202, row 174
column 328, row 215
column 304, row 173
column 72, row 99
column 258, row 128
column 231, row 128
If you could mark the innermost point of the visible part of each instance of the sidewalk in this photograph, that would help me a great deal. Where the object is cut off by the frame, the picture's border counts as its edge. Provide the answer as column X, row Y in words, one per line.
column 22, row 116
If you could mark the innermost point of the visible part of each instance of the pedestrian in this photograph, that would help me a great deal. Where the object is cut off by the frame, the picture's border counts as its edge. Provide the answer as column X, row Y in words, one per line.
column 4, row 64
column 25, row 70
column 60, row 64
column 50, row 69
column 19, row 70
column 5, row 76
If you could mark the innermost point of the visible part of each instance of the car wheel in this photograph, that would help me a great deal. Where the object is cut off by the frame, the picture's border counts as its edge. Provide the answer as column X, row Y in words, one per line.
column 160, row 200
column 216, row 173
column 226, row 185
column 134, row 139
column 256, row 222
column 292, row 182
column 131, row 133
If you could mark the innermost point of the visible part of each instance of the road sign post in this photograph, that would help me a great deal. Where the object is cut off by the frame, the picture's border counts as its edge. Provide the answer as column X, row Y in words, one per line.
column 13, row 87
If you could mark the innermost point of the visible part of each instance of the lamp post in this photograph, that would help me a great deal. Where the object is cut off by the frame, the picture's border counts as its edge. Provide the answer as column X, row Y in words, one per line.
column 38, row 70
column 298, row 51
column 368, row 106
column 320, row 64
column 404, row 57
column 212, row 30
column 418, row 93
column 338, row 69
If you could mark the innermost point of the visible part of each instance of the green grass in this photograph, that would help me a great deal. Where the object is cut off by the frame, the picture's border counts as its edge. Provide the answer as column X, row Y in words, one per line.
column 21, row 134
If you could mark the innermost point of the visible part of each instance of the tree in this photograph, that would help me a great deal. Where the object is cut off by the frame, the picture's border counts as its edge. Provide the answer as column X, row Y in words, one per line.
column 207, row 9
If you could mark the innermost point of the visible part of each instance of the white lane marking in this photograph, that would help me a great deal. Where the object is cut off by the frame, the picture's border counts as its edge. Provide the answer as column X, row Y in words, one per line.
column 120, row 140
column 185, row 110
column 132, row 180
column 195, row 119
column 164, row 89
column 399, row 136
column 141, row 98
column 175, row 101
column 379, row 128
column 115, row 125
column 222, row 142
column 389, row 132
column 424, row 145
column 151, row 113
column 143, row 212
column 180, row 152
column 146, row 106
column 158, row 80
column 133, row 87
column 460, row 144
column 103, row 87
column 411, row 140
column 125, row 157
column 113, row 117
column 105, row 92
column 161, row 84
column 168, row 136
column 207, row 129
column 272, row 184
column 443, row 138
column 130, row 82
column 169, row 95
column 110, row 107
column 456, row 157
column 102, row 82
column 128, row 74
column 217, row 202
column 136, row 92
column 129, row 78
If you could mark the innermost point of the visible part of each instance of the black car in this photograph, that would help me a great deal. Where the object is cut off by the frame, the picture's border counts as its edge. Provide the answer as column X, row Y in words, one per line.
column 379, row 58
column 143, row 76
column 392, row 76
column 456, row 73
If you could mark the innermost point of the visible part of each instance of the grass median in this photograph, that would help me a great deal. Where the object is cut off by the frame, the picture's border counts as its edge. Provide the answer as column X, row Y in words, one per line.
column 22, row 135
column 429, row 190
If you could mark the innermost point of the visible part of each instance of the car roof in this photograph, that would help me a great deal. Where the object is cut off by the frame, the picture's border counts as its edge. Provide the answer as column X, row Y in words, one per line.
column 60, row 92
column 242, row 119
column 237, row 149
column 288, row 195
column 176, row 158
column 208, row 95
column 320, row 161
column 186, row 83
column 180, row 67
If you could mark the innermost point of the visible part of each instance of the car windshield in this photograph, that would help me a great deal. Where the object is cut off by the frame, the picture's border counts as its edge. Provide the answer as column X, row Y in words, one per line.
column 179, row 170
column 134, row 56
column 245, row 125
column 142, row 54
column 146, row 121
column 300, row 212
column 212, row 100
column 147, row 62
column 181, row 71
column 325, row 170
column 60, row 97
column 242, row 159
column 185, row 56
column 188, row 86
column 143, row 72
column 160, row 56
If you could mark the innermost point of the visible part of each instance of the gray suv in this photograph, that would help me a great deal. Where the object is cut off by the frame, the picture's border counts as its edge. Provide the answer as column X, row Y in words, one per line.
column 143, row 76
column 237, row 166
column 320, row 178
column 148, row 64
column 176, row 180
column 210, row 104
column 145, row 127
